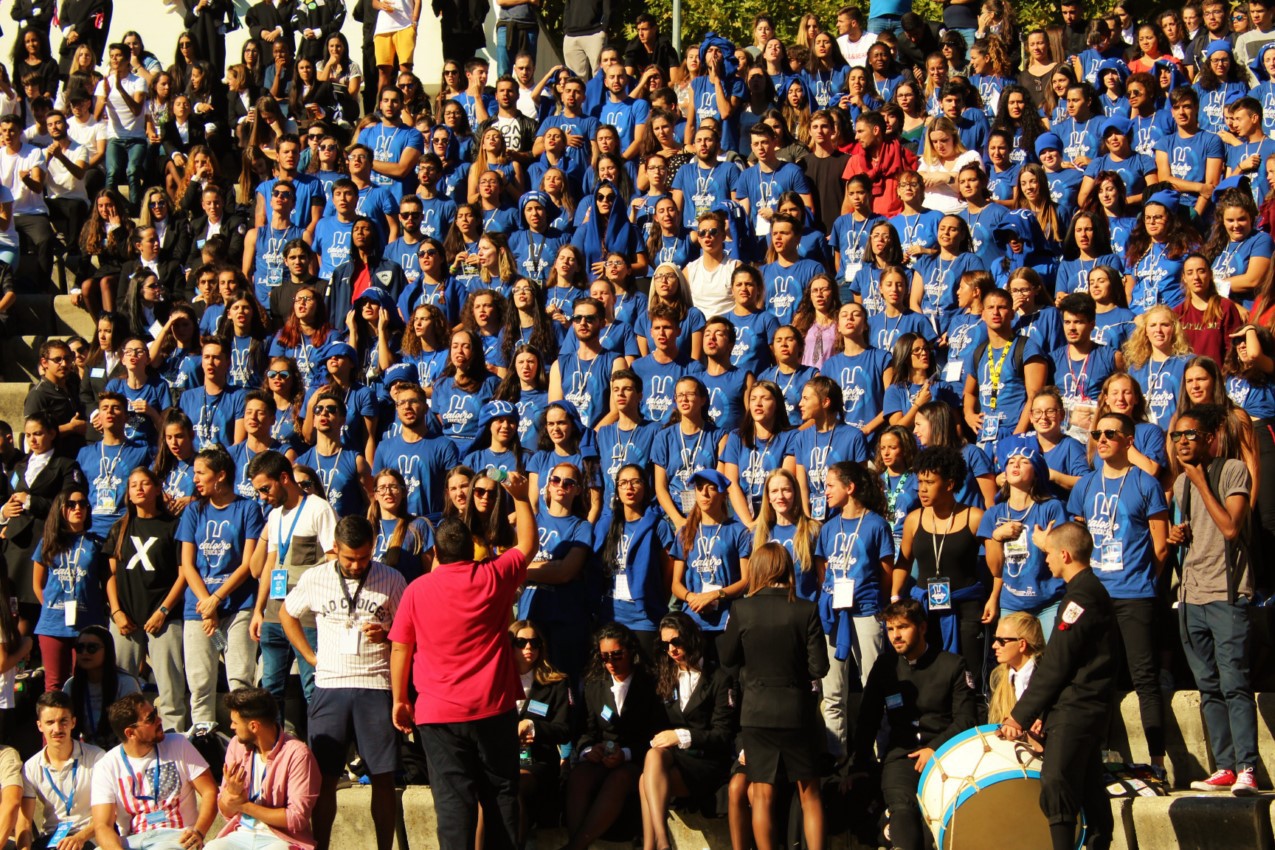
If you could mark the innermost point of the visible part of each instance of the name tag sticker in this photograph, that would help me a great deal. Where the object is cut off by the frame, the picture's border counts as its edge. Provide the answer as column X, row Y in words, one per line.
column 893, row 702
column 351, row 639
column 538, row 708
column 607, row 713
column 156, row 818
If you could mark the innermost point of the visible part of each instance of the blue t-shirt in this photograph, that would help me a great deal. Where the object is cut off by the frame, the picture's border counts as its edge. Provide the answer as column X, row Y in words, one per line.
column 1079, row 138
column 899, row 398
column 806, row 577
column 1235, row 259
column 586, row 384
column 1028, row 584
column 332, row 244
column 815, row 451
column 625, row 115
column 214, row 416
column 1161, row 382
column 73, row 578
column 854, row 550
column 1064, row 190
column 862, row 381
column 388, row 144
column 704, row 93
column 682, row 455
column 309, row 194
column 659, row 381
column 154, row 392
column 921, row 229
column 1113, row 327
column 618, row 448
column 423, row 465
column 1081, row 380
column 1117, row 511
column 791, row 386
column 714, row 561
column 648, row 599
column 1073, row 275
column 763, row 188
column 753, row 335
column 408, row 562
column 702, row 187
column 1133, row 171
column 785, row 286
column 1213, row 103
column 339, row 475
column 754, row 464
column 1258, row 400
column 884, row 331
column 1188, row 158
column 939, row 278
column 219, row 536
column 849, row 238
column 726, row 397
column 1001, row 389
column 457, row 410
column 1157, row 279
column 1044, row 326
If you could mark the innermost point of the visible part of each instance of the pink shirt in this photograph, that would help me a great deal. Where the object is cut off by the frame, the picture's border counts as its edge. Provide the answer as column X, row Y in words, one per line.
column 456, row 620
column 292, row 782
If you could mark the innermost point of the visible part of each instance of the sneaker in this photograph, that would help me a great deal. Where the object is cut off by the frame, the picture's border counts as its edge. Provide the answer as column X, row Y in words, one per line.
column 1221, row 780
column 1245, row 783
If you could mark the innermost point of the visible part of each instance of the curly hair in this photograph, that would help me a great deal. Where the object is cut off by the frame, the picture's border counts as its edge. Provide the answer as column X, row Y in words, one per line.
column 692, row 647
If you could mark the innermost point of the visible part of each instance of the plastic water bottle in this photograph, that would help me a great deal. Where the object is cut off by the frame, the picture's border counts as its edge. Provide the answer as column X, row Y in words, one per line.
column 500, row 476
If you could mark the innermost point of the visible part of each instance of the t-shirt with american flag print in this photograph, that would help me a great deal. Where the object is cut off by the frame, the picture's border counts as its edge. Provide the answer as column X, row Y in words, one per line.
column 128, row 784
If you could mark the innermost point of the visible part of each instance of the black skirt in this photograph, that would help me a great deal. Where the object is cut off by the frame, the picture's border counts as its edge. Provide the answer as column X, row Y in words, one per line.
column 773, row 754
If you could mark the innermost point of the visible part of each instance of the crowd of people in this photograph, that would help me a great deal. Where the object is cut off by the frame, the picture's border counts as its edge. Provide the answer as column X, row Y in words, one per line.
column 628, row 354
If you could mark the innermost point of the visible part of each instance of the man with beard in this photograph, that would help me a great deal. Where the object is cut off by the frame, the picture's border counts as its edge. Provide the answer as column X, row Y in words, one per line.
column 422, row 460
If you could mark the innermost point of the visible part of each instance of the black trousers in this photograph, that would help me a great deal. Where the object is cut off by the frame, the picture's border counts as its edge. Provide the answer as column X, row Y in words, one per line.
column 1136, row 620
column 68, row 215
column 898, row 788
column 1071, row 781
column 36, row 238
column 470, row 764
column 972, row 638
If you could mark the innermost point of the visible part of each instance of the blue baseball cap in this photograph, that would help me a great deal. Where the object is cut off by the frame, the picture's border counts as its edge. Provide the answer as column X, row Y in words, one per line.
column 712, row 476
column 1048, row 142
column 1119, row 124
column 338, row 349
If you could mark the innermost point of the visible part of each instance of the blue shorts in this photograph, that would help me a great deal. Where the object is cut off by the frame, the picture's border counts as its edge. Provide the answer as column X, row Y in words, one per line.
column 339, row 715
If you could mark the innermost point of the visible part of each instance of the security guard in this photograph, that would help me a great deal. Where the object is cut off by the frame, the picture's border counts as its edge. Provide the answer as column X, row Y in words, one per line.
column 927, row 696
column 1075, row 683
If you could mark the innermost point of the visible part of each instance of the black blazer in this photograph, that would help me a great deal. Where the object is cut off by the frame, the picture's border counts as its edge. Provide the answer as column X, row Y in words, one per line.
column 206, row 30
column 60, row 474
column 172, row 140
column 176, row 244
column 170, row 277
column 267, row 16
column 643, row 715
column 781, row 649
column 709, row 714
column 552, row 722
column 233, row 229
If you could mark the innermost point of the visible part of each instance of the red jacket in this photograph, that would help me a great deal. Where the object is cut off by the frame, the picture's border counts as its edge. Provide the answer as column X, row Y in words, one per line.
column 883, row 170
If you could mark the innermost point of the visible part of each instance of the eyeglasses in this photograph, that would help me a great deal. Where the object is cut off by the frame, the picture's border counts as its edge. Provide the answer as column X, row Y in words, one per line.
column 278, row 373
column 428, row 252
column 386, row 489
column 134, row 352
column 302, row 299
column 709, row 232
column 629, row 483
column 611, row 657
column 153, row 717
column 665, row 644
column 327, row 147
column 1046, row 411
column 262, row 491
column 559, row 481
column 77, row 504
column 1001, row 641
column 59, row 359
column 305, row 484
column 581, row 318
column 523, row 643
column 1191, row 435
column 1108, row 434
column 483, row 492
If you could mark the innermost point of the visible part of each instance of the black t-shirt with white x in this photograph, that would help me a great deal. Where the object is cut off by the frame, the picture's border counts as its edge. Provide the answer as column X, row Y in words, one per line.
column 147, row 565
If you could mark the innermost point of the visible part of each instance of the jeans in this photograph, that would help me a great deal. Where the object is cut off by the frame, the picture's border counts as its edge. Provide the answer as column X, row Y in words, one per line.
column 118, row 151
column 163, row 652
column 35, row 236
column 1215, row 638
column 510, row 41
column 276, row 661
column 201, row 662
column 886, row 23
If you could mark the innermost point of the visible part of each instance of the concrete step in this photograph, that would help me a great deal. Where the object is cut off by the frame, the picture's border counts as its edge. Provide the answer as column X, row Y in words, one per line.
column 69, row 319
column 1195, row 820
column 33, row 314
column 13, row 396
column 22, row 358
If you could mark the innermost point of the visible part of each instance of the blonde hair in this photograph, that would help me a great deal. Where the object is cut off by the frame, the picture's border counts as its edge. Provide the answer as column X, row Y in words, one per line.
column 1002, row 700
column 1137, row 348
column 807, row 528
column 942, row 124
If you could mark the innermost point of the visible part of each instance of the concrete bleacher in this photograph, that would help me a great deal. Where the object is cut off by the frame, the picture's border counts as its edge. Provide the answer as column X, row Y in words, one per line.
column 33, row 320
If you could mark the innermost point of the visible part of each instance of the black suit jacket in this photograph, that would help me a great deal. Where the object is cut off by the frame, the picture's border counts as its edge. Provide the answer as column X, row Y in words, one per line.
column 233, row 228
column 267, row 16
column 781, row 649
column 206, row 30
column 548, row 707
column 60, row 474
column 170, row 277
column 633, row 728
column 22, row 13
column 92, row 21
column 709, row 714
column 172, row 140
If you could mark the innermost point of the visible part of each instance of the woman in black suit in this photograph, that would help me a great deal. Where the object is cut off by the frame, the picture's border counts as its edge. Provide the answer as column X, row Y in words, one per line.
column 544, row 721
column 36, row 480
column 777, row 643
column 623, row 713
column 692, row 758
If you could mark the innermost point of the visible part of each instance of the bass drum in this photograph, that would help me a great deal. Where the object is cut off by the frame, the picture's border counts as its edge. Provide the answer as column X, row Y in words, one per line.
column 979, row 791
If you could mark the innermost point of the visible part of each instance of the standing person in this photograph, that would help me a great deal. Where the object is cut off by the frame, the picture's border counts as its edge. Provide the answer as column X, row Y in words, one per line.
column 280, row 768
column 82, row 22
column 57, row 777
column 395, row 38
column 584, row 28
column 467, row 686
column 298, row 534
column 777, row 643
column 56, row 399
column 143, row 588
column 354, row 674
column 1216, row 589
column 121, row 96
column 24, row 172
column 146, row 786
column 1074, row 681
column 1124, row 510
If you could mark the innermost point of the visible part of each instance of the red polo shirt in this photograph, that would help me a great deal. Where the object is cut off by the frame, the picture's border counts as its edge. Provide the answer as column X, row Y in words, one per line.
column 456, row 618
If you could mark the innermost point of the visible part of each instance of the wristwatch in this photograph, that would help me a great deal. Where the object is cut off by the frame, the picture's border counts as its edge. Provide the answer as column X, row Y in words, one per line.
column 163, row 609
column 721, row 595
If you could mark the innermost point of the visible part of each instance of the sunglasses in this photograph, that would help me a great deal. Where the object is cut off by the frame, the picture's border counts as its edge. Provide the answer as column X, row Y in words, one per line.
column 284, row 194
column 709, row 233
column 410, row 214
column 77, row 504
column 611, row 657
column 560, row 481
column 672, row 642
column 1109, row 434
column 60, row 359
column 1190, row 434
column 153, row 717
column 330, row 410
column 484, row 492
column 606, row 196
column 305, row 484
column 1001, row 641
column 314, row 137
column 581, row 318
column 523, row 643
column 428, row 252
column 159, row 202
column 278, row 373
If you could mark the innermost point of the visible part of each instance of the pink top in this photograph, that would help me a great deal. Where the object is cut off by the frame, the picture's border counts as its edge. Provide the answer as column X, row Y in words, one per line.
column 292, row 782
column 463, row 666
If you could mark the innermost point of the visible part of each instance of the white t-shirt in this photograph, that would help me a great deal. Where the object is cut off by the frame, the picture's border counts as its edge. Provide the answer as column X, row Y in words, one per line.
column 399, row 19
column 62, row 183
column 122, row 123
column 36, row 786
column 9, row 239
column 710, row 291
column 25, row 202
column 856, row 52
column 309, row 541
column 87, row 133
column 319, row 591
column 944, row 198
column 119, row 782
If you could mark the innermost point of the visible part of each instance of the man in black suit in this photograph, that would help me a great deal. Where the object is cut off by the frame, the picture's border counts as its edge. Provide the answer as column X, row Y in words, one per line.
column 83, row 22
column 1073, row 690
column 208, row 22
column 269, row 21
column 366, row 15
column 34, row 14
column 927, row 697
column 920, row 38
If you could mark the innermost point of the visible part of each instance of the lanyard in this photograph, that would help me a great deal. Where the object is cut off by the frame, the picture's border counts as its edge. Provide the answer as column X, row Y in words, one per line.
column 352, row 601
column 1079, row 382
column 68, row 799
column 1123, row 478
column 848, row 552
column 942, row 541
column 285, row 543
column 686, row 472
column 105, row 470
column 133, row 777
column 708, row 550
column 893, row 492
column 994, row 369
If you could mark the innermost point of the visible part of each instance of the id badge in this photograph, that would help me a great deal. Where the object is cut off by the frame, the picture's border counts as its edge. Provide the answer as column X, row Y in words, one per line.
column 63, row 830
column 818, row 506
column 351, row 639
column 1016, row 549
column 106, row 503
column 621, row 590
column 606, row 713
column 70, row 611
column 991, row 428
column 952, row 370
column 156, row 818
column 247, row 822
column 894, row 702
column 538, row 708
column 842, row 594
column 1113, row 555
column 939, row 593
column 279, row 583
column 687, row 499
column 710, row 588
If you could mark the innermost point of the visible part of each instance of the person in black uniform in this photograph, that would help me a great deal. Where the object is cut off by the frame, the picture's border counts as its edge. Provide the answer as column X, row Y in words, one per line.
column 544, row 721
column 692, row 757
column 622, row 715
column 83, row 22
column 57, row 396
column 926, row 696
column 34, row 14
column 1073, row 691
column 208, row 21
column 776, row 641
